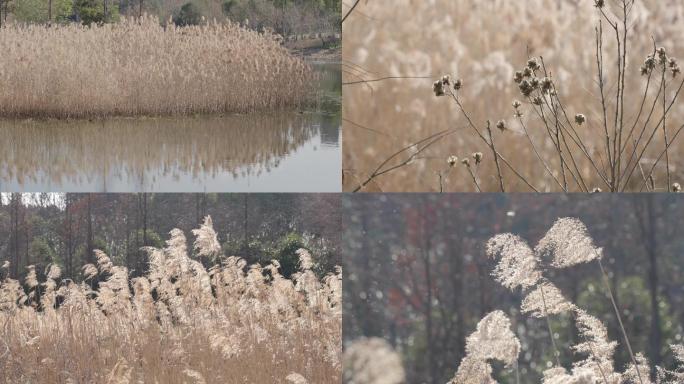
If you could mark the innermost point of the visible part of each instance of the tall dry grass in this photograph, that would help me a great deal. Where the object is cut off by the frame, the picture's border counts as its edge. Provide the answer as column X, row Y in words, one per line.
column 484, row 44
column 180, row 323
column 138, row 67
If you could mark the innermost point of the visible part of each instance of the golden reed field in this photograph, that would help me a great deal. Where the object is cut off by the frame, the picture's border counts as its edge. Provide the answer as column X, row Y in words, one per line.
column 179, row 323
column 139, row 67
column 579, row 95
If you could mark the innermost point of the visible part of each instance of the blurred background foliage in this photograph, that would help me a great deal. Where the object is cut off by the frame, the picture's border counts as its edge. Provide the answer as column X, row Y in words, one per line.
column 417, row 275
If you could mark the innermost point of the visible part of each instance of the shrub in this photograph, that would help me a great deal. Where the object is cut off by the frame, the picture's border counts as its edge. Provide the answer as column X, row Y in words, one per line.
column 188, row 14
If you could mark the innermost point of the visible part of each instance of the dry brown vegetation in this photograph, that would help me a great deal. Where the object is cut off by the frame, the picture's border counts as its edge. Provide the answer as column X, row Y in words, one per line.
column 484, row 44
column 138, row 67
column 179, row 323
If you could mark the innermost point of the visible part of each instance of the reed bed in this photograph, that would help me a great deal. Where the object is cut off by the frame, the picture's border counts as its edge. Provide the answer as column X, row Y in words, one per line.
column 399, row 137
column 139, row 67
column 179, row 323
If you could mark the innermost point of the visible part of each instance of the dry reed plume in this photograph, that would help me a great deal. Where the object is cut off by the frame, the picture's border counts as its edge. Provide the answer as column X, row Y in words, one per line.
column 521, row 267
column 180, row 323
column 566, row 244
column 138, row 67
column 598, row 85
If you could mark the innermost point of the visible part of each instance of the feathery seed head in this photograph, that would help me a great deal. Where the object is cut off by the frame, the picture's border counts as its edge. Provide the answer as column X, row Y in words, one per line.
column 494, row 339
column 89, row 271
column 206, row 242
column 568, row 243
column 518, row 265
column 545, row 300
column 372, row 361
column 305, row 260
column 296, row 378
column 53, row 272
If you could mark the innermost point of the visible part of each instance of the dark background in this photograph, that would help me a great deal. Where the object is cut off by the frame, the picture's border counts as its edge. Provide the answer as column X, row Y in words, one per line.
column 417, row 275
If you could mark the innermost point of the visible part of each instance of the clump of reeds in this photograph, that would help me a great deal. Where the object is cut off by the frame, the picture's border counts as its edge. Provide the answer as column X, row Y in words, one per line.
column 139, row 67
column 566, row 244
column 521, row 267
column 178, row 323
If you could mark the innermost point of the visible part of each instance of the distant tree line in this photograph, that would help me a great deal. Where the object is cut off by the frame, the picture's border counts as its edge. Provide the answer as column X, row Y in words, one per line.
column 286, row 17
column 65, row 229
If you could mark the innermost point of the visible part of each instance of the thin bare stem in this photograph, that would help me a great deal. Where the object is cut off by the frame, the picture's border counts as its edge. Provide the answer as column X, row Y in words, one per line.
column 541, row 159
column 496, row 157
column 472, row 175
column 556, row 354
column 617, row 313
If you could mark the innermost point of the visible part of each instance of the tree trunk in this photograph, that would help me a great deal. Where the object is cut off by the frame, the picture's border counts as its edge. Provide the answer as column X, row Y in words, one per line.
column 144, row 212
column 50, row 12
column 245, row 239
column 14, row 267
column 428, row 306
column 645, row 213
column 69, row 238
column 655, row 338
column 90, row 256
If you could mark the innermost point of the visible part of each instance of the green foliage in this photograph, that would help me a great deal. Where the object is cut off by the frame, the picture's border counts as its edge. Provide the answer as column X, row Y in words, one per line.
column 135, row 241
column 286, row 253
column 98, row 243
column 634, row 302
column 188, row 14
column 92, row 11
column 36, row 11
column 227, row 7
column 284, row 250
column 152, row 238
column 41, row 253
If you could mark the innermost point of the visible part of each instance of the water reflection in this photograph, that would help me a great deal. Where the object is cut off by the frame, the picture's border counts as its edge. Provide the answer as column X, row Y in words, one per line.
column 285, row 151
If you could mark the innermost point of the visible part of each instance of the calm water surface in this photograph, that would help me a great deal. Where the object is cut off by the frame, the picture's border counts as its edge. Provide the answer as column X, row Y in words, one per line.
column 284, row 151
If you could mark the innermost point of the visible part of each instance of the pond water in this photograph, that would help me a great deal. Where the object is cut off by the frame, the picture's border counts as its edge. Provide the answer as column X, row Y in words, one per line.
column 280, row 151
